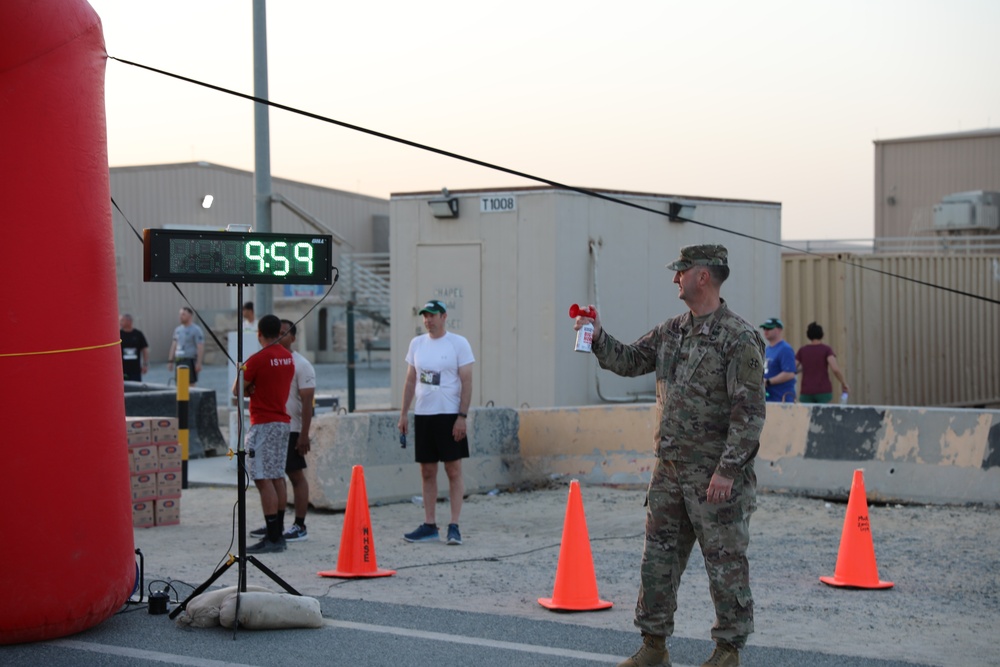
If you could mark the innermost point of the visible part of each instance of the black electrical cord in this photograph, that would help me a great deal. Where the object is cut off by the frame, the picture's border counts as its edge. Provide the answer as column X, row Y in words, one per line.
column 531, row 177
column 493, row 559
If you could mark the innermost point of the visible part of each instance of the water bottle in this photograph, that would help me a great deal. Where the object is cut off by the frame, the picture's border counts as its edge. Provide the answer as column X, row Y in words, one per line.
column 843, row 398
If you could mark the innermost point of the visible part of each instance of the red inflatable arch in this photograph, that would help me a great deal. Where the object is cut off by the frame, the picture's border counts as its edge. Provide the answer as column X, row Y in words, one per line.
column 69, row 560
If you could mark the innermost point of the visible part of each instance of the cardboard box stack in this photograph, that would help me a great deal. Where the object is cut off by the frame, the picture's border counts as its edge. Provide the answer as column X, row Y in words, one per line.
column 155, row 457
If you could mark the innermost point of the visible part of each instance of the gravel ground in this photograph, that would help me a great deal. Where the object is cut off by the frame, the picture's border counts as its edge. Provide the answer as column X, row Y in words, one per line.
column 945, row 562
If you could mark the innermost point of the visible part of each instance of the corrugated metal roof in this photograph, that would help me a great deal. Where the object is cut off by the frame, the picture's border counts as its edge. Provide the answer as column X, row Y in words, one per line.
column 240, row 172
column 603, row 191
column 970, row 134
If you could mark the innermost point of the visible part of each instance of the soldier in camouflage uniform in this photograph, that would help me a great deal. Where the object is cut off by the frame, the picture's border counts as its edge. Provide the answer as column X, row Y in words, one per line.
column 710, row 393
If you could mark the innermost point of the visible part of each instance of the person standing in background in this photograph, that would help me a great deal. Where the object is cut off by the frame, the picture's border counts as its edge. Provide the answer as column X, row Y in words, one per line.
column 135, row 350
column 267, row 377
column 779, row 368
column 439, row 375
column 299, row 408
column 249, row 322
column 188, row 345
column 815, row 360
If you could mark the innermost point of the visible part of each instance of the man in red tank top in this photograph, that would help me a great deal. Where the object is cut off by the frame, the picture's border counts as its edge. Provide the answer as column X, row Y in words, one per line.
column 267, row 377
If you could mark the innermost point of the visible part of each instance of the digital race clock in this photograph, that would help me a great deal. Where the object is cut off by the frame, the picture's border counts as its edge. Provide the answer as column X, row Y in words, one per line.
column 186, row 256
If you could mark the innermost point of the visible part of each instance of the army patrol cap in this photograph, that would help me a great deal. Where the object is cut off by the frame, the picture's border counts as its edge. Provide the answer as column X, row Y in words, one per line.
column 703, row 255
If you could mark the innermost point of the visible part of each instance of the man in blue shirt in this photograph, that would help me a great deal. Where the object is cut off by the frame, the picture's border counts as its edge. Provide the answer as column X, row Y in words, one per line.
column 779, row 363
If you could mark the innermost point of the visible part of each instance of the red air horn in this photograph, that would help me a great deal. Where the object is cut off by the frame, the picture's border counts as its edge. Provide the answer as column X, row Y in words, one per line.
column 577, row 311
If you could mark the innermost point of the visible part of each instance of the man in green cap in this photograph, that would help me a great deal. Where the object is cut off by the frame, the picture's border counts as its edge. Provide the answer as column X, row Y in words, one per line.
column 709, row 365
column 439, row 377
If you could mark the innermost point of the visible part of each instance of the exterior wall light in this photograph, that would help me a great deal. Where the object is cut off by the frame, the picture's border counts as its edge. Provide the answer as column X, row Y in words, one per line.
column 445, row 207
column 684, row 211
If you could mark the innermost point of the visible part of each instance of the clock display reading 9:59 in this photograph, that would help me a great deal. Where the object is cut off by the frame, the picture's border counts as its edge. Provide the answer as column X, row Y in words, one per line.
column 236, row 257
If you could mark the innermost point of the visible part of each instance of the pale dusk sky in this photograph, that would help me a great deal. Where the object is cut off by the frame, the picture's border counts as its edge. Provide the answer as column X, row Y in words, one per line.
column 774, row 100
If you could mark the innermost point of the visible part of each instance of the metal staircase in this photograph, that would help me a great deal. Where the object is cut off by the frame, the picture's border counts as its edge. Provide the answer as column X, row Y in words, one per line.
column 366, row 277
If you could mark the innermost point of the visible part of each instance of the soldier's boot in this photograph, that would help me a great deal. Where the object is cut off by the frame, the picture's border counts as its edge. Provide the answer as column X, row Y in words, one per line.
column 653, row 653
column 724, row 655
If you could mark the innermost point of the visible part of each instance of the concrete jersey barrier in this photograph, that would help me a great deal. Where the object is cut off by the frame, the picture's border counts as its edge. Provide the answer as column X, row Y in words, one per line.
column 927, row 455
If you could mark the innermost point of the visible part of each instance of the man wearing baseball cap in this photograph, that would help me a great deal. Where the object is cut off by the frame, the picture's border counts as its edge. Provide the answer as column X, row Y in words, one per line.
column 779, row 369
column 439, row 376
column 709, row 365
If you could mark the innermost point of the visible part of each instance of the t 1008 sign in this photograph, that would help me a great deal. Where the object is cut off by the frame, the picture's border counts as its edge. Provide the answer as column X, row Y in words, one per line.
column 186, row 256
column 497, row 204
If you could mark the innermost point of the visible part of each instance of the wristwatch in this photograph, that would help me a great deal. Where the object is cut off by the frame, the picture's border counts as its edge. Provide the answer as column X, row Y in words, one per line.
column 462, row 414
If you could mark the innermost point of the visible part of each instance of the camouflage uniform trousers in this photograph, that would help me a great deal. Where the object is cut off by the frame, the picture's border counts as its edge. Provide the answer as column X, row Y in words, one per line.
column 678, row 514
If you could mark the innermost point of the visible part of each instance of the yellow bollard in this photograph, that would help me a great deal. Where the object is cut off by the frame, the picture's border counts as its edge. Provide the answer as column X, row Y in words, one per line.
column 183, row 383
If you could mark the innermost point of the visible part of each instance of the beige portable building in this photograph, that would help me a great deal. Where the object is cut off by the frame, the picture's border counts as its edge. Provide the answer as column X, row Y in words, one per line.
column 511, row 262
column 914, row 174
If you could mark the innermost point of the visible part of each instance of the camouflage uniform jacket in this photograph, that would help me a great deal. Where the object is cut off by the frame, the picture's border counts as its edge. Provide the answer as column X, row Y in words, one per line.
column 709, row 386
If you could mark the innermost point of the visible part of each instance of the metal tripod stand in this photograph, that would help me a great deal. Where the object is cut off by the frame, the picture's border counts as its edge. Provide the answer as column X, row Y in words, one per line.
column 241, row 558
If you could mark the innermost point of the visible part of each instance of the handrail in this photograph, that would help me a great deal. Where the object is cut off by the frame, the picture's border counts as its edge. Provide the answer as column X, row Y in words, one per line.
column 367, row 279
column 309, row 218
column 939, row 244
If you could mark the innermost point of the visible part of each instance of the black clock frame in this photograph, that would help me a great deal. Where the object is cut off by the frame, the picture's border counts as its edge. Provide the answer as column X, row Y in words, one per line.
column 159, row 257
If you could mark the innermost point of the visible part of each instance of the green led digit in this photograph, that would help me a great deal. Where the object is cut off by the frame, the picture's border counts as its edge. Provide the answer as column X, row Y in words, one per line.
column 278, row 254
column 255, row 252
column 304, row 254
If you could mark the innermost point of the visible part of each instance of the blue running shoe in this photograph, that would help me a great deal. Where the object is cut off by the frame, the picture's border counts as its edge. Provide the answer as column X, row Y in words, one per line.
column 454, row 537
column 425, row 532
column 296, row 533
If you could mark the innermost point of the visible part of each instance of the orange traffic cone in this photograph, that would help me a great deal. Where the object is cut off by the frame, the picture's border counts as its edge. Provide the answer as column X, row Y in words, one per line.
column 357, row 544
column 576, row 584
column 856, row 566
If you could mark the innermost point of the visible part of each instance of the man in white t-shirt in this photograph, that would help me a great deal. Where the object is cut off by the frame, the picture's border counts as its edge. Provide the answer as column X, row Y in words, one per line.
column 249, row 322
column 188, row 345
column 439, row 376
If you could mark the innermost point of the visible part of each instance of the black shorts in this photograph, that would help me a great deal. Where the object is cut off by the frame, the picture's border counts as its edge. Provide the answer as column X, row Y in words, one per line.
column 434, row 441
column 295, row 461
column 193, row 374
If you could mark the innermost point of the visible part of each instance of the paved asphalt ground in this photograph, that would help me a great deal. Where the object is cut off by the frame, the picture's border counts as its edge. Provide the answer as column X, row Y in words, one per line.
column 360, row 632
column 378, row 634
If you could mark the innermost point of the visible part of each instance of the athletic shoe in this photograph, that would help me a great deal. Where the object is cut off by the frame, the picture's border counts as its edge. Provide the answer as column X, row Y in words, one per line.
column 454, row 537
column 425, row 532
column 266, row 546
column 296, row 533
column 259, row 532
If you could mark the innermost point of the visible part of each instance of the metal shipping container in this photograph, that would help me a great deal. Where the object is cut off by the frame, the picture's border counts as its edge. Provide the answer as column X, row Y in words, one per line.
column 900, row 342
